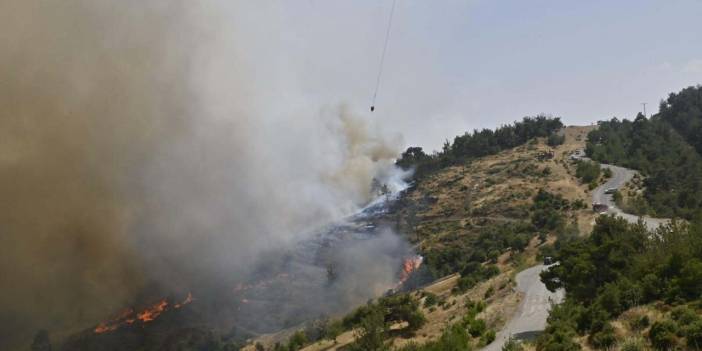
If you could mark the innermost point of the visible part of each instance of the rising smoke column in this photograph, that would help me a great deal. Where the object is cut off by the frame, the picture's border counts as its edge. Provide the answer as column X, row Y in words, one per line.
column 143, row 141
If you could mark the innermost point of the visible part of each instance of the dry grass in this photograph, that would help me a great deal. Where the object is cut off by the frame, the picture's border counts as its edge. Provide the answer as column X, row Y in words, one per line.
column 461, row 198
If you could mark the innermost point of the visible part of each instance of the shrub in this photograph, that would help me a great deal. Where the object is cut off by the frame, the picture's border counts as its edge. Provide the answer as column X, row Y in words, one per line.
column 662, row 334
column 473, row 309
column 297, row 341
column 588, row 171
column 430, row 300
column 454, row 338
column 694, row 335
column 489, row 292
column 488, row 337
column 555, row 139
column 371, row 333
column 691, row 279
column 633, row 344
column 332, row 330
column 558, row 340
column 604, row 338
column 477, row 327
column 512, row 345
column 617, row 197
column 684, row 315
column 465, row 283
column 640, row 322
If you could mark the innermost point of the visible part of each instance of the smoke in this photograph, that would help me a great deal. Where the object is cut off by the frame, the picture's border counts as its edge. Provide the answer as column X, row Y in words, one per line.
column 156, row 141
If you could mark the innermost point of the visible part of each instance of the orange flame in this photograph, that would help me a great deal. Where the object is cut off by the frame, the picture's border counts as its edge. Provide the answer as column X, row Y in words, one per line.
column 152, row 312
column 129, row 316
column 409, row 266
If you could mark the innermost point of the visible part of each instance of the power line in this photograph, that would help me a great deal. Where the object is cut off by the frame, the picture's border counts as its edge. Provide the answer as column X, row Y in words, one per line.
column 382, row 56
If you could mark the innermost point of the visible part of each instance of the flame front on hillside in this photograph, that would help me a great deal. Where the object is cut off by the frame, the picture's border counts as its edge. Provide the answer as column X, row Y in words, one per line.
column 409, row 266
column 129, row 316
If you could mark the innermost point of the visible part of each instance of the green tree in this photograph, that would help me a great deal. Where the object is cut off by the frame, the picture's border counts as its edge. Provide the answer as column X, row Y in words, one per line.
column 370, row 335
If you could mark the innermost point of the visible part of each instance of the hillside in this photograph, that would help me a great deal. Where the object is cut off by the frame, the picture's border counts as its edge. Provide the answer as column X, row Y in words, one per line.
column 477, row 225
column 629, row 285
column 478, row 220
column 665, row 148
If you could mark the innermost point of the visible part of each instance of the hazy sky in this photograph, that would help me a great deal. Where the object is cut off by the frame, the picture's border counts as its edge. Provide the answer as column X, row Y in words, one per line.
column 453, row 66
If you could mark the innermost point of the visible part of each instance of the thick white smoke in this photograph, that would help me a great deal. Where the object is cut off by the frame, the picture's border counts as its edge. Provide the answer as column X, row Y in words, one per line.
column 158, row 141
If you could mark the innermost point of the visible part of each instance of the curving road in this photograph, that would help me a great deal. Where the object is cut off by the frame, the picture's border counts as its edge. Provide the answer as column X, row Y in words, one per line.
column 621, row 176
column 531, row 315
column 530, row 318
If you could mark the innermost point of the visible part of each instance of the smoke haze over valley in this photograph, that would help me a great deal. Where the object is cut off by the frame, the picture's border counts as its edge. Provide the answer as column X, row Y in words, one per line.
column 175, row 170
column 152, row 146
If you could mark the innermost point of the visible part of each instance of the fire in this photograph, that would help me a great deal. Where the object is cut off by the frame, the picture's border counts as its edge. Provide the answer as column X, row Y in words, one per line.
column 152, row 312
column 129, row 316
column 409, row 266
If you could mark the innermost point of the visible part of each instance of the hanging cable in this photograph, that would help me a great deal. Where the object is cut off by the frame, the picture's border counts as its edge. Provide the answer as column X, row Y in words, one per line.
column 382, row 56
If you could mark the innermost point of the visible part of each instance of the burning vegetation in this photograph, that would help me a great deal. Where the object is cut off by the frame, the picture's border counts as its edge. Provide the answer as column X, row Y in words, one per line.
column 409, row 266
column 129, row 316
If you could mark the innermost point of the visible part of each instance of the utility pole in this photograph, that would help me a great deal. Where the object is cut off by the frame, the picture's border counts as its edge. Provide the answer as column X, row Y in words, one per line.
column 644, row 106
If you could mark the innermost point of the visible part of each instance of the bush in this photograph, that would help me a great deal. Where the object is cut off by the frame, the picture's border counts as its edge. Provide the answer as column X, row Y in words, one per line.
column 473, row 309
column 430, row 300
column 477, row 327
column 604, row 338
column 547, row 210
column 488, row 337
column 512, row 345
column 371, row 333
column 465, row 283
column 454, row 338
column 555, row 139
column 694, row 335
column 297, row 341
column 403, row 307
column 588, row 171
column 684, row 315
column 617, row 197
column 639, row 323
column 332, row 330
column 662, row 334
column 558, row 340
column 633, row 344
column 691, row 279
column 489, row 292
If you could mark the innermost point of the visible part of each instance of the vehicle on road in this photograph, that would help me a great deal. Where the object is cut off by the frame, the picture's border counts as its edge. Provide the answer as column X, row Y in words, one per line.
column 611, row 190
column 599, row 208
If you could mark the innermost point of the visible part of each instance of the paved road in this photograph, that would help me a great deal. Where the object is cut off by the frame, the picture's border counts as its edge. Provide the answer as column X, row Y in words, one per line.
column 530, row 318
column 620, row 176
column 532, row 313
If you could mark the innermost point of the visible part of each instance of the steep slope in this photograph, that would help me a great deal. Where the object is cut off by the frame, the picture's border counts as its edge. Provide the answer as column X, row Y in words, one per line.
column 477, row 225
